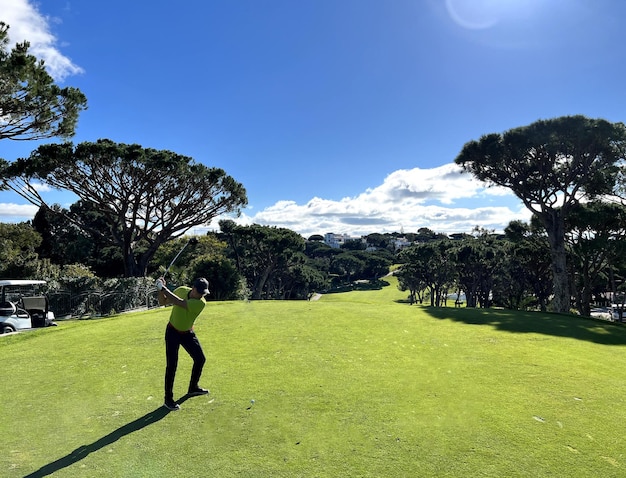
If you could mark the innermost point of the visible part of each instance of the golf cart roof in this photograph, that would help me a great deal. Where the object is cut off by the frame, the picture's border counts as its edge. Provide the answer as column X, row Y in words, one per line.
column 5, row 282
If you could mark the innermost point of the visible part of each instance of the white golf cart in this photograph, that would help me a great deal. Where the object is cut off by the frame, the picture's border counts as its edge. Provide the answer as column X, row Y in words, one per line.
column 23, row 305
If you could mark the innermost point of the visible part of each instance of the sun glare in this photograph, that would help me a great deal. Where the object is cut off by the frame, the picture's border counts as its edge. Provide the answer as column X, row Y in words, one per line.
column 484, row 14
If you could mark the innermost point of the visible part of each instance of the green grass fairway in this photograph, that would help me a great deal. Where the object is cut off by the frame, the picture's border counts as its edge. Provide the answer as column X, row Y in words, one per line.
column 358, row 384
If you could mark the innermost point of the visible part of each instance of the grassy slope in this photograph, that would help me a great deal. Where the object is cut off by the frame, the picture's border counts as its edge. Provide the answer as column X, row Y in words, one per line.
column 355, row 384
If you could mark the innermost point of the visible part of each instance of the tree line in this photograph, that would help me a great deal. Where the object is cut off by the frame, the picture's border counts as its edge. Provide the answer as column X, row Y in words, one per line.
column 514, row 270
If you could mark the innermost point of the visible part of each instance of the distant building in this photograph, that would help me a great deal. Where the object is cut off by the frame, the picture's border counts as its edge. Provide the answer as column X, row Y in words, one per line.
column 337, row 240
column 400, row 243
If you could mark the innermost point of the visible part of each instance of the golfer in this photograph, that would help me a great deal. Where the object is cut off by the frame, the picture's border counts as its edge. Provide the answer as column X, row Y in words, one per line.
column 187, row 304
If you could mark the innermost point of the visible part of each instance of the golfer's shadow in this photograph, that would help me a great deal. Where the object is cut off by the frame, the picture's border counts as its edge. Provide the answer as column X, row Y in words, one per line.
column 84, row 451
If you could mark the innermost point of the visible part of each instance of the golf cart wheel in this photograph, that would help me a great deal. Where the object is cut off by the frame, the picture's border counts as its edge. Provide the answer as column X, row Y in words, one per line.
column 7, row 329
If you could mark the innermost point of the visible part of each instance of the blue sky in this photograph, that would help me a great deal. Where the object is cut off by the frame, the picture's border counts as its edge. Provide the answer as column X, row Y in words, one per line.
column 337, row 116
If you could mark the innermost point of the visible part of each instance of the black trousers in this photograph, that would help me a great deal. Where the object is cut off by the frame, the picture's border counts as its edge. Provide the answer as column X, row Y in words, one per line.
column 173, row 341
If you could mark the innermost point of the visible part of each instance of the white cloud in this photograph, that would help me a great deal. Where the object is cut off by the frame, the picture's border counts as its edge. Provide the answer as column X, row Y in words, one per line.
column 41, row 187
column 26, row 23
column 406, row 200
column 10, row 212
column 445, row 184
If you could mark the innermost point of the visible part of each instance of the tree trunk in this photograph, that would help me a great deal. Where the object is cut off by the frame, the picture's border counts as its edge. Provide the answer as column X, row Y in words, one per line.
column 556, row 237
column 432, row 295
column 260, row 282
column 129, row 261
column 585, row 305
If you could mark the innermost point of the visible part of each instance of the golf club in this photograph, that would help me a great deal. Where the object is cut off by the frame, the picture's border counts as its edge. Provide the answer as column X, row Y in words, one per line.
column 193, row 241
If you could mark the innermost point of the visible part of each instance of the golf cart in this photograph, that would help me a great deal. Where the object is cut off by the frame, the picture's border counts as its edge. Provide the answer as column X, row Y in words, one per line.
column 23, row 306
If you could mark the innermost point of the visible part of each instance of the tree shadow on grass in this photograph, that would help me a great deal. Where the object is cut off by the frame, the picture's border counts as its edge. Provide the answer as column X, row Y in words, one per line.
column 558, row 325
column 85, row 450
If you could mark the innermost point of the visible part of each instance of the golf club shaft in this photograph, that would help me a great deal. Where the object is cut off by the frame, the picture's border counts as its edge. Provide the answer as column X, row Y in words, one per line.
column 176, row 257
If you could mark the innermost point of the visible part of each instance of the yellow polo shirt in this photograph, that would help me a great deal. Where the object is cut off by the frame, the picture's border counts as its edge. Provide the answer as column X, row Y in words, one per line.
column 182, row 319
